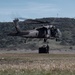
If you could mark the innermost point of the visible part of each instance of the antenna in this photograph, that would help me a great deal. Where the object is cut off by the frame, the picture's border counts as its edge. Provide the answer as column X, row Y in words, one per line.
column 57, row 15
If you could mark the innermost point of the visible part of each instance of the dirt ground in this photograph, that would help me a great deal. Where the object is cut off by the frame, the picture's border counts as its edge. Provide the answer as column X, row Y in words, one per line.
column 37, row 61
column 60, row 51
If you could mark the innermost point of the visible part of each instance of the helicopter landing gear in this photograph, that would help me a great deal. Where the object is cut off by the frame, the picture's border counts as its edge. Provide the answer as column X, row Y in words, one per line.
column 45, row 40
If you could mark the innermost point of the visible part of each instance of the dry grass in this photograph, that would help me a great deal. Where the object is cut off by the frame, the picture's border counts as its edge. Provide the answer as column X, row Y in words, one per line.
column 31, row 63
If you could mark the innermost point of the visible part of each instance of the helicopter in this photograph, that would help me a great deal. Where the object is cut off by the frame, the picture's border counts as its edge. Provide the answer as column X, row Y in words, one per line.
column 44, row 32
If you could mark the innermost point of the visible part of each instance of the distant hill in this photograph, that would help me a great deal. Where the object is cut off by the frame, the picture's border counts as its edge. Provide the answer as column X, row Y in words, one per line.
column 66, row 25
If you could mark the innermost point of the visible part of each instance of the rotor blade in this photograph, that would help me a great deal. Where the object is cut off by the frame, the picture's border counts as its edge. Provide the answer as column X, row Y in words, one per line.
column 31, row 20
column 42, row 21
column 22, row 18
column 38, row 21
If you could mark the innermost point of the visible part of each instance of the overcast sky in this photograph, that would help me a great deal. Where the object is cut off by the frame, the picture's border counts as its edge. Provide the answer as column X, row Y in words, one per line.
column 10, row 9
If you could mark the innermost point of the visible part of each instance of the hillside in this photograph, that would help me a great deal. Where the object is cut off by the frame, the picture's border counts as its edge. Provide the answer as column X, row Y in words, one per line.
column 66, row 25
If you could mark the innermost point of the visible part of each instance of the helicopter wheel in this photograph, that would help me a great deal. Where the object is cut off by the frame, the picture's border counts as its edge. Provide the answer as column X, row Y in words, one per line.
column 45, row 39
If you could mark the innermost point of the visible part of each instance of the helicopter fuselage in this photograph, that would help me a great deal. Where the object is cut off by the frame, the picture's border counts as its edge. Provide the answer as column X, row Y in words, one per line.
column 35, row 33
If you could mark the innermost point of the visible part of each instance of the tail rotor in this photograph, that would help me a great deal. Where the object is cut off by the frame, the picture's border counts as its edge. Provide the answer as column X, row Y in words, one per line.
column 15, row 21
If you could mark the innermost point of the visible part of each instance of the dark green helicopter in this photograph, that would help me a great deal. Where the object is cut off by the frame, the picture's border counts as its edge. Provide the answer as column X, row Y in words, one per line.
column 46, row 32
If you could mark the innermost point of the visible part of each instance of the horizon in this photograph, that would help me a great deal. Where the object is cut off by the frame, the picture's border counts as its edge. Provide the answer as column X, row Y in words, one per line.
column 37, row 18
column 33, row 9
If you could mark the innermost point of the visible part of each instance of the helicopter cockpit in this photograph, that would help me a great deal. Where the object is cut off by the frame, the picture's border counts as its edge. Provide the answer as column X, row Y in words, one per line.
column 47, row 31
